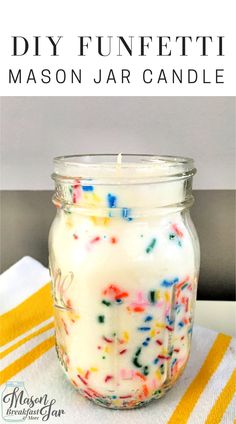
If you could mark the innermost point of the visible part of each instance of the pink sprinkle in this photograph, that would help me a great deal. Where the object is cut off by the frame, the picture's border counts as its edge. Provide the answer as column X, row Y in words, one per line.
column 177, row 230
column 65, row 326
column 75, row 236
column 95, row 239
column 108, row 378
column 125, row 397
column 122, row 351
column 76, row 192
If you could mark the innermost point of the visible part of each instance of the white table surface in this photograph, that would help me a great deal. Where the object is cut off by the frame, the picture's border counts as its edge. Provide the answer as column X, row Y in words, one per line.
column 216, row 315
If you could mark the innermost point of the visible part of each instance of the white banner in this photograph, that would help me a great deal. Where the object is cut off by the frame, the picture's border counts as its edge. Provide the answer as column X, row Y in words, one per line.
column 120, row 48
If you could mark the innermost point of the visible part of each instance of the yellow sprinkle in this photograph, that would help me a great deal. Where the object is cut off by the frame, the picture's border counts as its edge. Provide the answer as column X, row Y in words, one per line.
column 167, row 296
column 97, row 220
column 160, row 324
column 126, row 336
column 93, row 369
column 69, row 222
column 152, row 332
column 158, row 374
column 107, row 349
column 158, row 295
column 164, row 351
column 96, row 197
column 80, row 370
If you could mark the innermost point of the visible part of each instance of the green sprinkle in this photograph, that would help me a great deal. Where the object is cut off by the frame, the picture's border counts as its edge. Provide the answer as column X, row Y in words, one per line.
column 105, row 302
column 184, row 286
column 162, row 369
column 171, row 236
column 151, row 245
column 103, row 357
column 152, row 296
column 145, row 370
column 101, row 318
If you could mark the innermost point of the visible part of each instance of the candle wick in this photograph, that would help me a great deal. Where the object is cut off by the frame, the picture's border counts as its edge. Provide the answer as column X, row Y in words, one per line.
column 119, row 159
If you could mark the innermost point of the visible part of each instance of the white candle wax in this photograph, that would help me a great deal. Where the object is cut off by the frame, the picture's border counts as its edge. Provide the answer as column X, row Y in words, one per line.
column 124, row 262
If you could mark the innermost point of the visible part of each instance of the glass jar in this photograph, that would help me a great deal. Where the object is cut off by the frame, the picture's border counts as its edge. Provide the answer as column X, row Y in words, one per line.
column 124, row 262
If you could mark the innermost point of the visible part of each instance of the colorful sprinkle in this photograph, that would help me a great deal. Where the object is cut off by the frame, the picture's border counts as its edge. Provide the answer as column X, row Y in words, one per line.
column 108, row 378
column 144, row 328
column 107, row 339
column 75, row 236
column 105, row 302
column 122, row 351
column 177, row 231
column 148, row 318
column 166, row 283
column 151, row 245
column 113, row 240
column 112, row 200
column 152, row 296
column 87, row 188
column 125, row 213
column 95, row 239
column 101, row 318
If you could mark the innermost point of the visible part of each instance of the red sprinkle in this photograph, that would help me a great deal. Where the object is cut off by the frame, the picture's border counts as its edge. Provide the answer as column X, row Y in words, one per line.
column 177, row 230
column 159, row 342
column 107, row 340
column 75, row 236
column 122, row 351
column 120, row 295
column 145, row 390
column 108, row 378
column 140, row 375
column 125, row 397
column 95, row 239
column 163, row 357
column 138, row 309
column 82, row 379
column 113, row 240
column 176, row 350
column 87, row 374
column 169, row 328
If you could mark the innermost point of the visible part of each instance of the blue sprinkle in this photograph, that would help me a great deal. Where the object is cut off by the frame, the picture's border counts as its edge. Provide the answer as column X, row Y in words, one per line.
column 166, row 283
column 181, row 324
column 87, row 188
column 148, row 318
column 148, row 339
column 156, row 360
column 145, row 343
column 190, row 330
column 170, row 321
column 112, row 200
column 144, row 328
column 125, row 213
column 118, row 300
column 174, row 361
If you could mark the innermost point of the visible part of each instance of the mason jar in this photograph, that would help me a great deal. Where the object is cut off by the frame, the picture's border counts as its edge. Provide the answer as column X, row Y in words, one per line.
column 124, row 263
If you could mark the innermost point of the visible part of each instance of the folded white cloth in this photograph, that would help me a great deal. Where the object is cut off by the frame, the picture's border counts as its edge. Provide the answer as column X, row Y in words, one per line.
column 203, row 394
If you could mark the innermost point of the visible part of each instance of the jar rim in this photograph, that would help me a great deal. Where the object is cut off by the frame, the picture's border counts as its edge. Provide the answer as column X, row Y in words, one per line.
column 123, row 168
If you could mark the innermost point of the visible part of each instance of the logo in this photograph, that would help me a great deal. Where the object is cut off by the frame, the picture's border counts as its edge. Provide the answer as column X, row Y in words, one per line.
column 18, row 406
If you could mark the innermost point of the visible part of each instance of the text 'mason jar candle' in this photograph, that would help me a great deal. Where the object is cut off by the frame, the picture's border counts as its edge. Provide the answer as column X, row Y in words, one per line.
column 124, row 262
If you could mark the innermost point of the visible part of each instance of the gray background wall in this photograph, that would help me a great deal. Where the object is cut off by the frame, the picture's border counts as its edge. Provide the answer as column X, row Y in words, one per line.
column 35, row 129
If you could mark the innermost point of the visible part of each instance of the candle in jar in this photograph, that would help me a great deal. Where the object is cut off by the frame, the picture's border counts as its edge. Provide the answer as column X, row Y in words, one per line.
column 124, row 263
